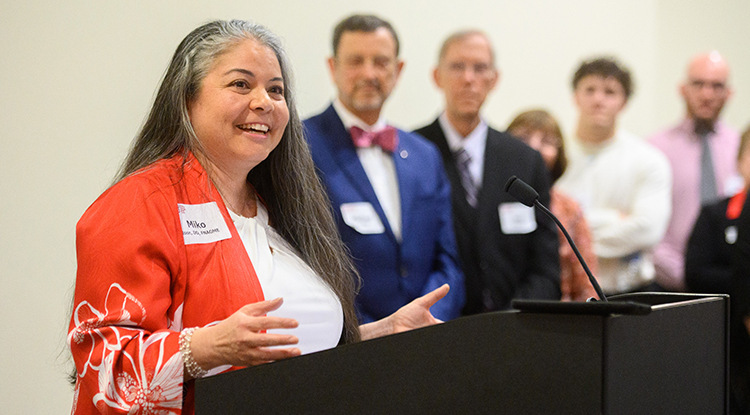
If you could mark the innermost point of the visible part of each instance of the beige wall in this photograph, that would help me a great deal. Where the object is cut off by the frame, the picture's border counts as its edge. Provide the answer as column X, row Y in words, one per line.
column 76, row 79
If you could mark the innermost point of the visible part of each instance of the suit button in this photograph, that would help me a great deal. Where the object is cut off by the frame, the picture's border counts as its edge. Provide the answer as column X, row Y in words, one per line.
column 404, row 272
column 483, row 265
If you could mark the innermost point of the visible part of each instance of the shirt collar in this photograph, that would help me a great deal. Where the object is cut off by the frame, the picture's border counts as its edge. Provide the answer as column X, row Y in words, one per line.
column 350, row 120
column 688, row 127
column 471, row 143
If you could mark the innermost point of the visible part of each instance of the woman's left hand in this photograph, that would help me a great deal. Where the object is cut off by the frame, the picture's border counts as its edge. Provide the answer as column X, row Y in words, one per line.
column 414, row 315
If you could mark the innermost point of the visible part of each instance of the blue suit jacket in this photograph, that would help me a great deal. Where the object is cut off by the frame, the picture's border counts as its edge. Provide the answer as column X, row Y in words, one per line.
column 392, row 273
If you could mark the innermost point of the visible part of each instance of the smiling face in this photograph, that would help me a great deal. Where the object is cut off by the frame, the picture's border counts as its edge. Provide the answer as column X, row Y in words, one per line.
column 240, row 113
column 365, row 70
column 599, row 101
column 466, row 74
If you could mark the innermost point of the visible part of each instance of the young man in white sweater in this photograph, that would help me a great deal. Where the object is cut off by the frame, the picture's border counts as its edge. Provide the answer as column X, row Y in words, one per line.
column 622, row 183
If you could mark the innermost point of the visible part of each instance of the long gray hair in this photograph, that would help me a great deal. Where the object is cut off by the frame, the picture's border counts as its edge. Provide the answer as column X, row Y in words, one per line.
column 286, row 181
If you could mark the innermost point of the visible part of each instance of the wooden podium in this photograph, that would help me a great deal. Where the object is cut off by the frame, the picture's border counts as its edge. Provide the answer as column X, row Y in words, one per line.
column 579, row 358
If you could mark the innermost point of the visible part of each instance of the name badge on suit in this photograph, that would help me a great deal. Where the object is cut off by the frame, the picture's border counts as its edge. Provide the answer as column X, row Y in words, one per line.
column 361, row 217
column 516, row 218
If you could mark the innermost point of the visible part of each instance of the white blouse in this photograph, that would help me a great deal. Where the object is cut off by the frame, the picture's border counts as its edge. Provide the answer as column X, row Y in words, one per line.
column 282, row 273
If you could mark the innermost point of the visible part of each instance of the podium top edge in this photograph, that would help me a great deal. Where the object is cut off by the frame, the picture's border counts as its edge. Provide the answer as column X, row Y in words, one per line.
column 693, row 301
column 625, row 304
column 665, row 298
column 600, row 308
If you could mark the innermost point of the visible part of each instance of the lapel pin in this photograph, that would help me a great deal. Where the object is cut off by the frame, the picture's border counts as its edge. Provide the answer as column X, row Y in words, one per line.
column 404, row 154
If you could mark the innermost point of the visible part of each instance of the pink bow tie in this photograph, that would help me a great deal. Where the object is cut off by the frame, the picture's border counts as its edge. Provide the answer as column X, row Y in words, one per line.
column 387, row 138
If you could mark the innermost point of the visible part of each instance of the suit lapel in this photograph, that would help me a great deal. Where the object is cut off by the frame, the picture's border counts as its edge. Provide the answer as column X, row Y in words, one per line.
column 460, row 203
column 345, row 155
column 496, row 165
column 405, row 175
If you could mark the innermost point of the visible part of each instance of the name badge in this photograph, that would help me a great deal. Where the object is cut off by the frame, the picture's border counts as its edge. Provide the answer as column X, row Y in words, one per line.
column 730, row 234
column 734, row 184
column 516, row 218
column 203, row 223
column 361, row 216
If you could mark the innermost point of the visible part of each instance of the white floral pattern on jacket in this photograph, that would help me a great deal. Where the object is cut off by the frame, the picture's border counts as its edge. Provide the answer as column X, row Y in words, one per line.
column 149, row 382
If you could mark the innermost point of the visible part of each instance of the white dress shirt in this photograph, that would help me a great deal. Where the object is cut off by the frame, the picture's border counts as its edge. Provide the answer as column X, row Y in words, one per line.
column 379, row 167
column 474, row 144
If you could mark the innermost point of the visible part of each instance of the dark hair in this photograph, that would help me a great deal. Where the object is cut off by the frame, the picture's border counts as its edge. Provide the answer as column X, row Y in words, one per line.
column 297, row 204
column 530, row 121
column 606, row 67
column 361, row 23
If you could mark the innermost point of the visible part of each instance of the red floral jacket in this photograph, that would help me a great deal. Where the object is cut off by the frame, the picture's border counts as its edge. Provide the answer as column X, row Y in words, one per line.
column 156, row 252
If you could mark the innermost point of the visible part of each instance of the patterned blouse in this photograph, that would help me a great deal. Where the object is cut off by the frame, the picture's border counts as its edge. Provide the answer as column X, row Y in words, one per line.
column 574, row 283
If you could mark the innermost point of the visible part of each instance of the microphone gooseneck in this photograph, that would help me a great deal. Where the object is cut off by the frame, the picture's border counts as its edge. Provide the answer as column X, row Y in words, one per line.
column 529, row 197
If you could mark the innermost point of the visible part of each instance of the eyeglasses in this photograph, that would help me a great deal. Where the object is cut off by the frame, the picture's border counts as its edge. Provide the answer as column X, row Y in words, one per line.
column 700, row 84
column 479, row 69
column 547, row 139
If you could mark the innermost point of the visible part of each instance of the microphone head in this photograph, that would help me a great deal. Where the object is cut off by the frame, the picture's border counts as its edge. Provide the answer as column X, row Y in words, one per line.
column 521, row 191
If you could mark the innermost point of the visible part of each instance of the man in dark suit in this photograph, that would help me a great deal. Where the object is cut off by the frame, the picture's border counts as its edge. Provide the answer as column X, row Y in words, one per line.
column 389, row 192
column 508, row 250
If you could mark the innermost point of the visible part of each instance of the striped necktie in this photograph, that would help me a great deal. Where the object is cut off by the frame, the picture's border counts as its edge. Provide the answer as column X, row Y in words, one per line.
column 463, row 159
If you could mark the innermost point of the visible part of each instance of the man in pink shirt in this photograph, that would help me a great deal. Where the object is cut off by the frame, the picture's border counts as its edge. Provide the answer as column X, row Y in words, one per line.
column 702, row 152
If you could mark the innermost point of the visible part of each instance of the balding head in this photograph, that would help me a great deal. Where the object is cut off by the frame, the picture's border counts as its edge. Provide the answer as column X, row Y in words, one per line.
column 706, row 88
column 708, row 62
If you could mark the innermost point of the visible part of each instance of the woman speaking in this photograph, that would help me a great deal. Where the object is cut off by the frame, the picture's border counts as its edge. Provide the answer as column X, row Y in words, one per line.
column 215, row 248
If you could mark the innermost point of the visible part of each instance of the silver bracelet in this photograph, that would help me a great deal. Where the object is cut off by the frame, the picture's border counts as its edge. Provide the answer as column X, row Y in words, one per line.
column 191, row 366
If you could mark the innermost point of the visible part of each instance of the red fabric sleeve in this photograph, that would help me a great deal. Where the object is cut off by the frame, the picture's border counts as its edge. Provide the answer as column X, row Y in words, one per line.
column 130, row 253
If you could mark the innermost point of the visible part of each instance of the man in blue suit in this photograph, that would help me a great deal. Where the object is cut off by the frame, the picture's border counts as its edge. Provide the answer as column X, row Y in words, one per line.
column 390, row 195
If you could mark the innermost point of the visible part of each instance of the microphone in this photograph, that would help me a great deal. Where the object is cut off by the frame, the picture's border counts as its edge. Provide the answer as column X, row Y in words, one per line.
column 529, row 197
column 521, row 191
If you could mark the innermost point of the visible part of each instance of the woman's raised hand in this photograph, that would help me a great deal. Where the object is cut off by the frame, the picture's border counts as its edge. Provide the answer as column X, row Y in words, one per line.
column 417, row 314
column 414, row 315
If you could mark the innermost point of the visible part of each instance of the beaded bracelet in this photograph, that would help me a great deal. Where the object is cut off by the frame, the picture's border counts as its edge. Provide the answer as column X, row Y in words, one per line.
column 192, row 367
